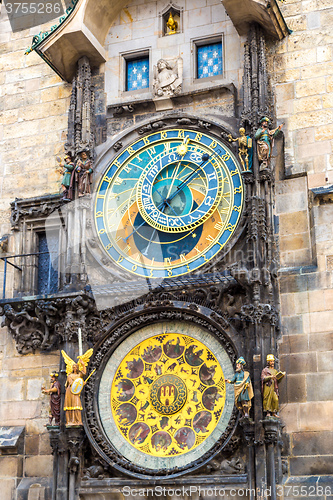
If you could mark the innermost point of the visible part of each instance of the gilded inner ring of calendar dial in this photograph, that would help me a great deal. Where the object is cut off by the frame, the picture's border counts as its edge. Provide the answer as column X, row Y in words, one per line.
column 167, row 395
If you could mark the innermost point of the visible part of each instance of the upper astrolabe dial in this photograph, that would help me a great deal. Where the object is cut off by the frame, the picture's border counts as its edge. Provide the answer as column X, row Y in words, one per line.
column 169, row 203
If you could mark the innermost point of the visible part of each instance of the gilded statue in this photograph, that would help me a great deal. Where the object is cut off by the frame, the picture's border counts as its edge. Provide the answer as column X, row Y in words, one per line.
column 245, row 153
column 167, row 78
column 270, row 377
column 172, row 25
column 265, row 142
column 242, row 387
column 74, row 385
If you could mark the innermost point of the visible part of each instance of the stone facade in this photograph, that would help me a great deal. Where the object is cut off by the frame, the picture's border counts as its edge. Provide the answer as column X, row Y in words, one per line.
column 34, row 105
column 302, row 79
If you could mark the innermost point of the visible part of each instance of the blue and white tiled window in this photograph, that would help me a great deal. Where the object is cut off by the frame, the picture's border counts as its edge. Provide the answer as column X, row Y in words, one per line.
column 209, row 60
column 137, row 73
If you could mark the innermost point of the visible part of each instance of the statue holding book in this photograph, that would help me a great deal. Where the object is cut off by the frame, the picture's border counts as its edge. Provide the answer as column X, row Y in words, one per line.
column 270, row 377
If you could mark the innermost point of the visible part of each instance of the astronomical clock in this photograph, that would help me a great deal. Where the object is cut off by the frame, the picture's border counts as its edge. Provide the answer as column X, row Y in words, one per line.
column 168, row 204
column 160, row 400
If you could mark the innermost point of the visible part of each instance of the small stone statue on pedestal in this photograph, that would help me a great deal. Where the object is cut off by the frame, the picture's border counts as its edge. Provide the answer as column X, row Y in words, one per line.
column 243, row 387
column 265, row 142
column 168, row 77
column 269, row 387
column 55, row 395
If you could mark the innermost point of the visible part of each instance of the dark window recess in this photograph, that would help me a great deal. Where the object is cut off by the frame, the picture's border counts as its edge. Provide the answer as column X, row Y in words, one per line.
column 47, row 275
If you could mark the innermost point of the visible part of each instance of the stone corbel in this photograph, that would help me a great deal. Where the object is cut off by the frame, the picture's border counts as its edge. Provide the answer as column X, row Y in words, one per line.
column 42, row 324
column 272, row 431
column 29, row 328
column 76, row 36
column 264, row 12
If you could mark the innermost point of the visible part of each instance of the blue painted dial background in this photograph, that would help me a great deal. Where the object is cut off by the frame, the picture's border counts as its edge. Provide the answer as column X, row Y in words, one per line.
column 127, row 168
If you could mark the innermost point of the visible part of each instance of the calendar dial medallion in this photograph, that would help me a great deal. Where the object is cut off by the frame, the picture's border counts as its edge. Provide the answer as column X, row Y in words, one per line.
column 169, row 203
column 162, row 398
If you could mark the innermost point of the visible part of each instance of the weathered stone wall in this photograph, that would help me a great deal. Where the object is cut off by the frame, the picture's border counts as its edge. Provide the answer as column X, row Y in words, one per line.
column 23, row 404
column 138, row 27
column 302, row 77
column 33, row 125
column 33, row 120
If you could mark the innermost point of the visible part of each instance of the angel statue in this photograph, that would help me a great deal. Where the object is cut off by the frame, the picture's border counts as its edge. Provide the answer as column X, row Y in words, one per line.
column 74, row 385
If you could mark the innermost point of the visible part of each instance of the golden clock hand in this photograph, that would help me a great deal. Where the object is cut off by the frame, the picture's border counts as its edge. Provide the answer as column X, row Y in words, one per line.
column 205, row 158
column 181, row 150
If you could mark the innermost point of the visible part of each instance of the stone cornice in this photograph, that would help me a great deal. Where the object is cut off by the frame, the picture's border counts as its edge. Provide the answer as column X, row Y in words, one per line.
column 83, row 29
column 264, row 12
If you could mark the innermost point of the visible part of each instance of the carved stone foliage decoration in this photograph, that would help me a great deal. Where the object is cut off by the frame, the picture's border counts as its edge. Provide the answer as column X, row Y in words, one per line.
column 257, row 96
column 260, row 313
column 42, row 324
column 33, row 209
column 123, row 329
column 81, row 135
column 30, row 332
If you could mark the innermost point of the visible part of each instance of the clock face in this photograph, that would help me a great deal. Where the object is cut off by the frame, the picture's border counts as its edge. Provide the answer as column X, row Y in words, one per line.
column 168, row 203
column 163, row 401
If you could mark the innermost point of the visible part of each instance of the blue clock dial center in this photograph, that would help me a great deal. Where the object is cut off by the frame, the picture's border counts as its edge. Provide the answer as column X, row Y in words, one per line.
column 180, row 205
column 188, row 179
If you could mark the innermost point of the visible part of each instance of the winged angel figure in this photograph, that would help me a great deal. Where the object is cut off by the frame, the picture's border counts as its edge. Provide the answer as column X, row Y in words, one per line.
column 74, row 385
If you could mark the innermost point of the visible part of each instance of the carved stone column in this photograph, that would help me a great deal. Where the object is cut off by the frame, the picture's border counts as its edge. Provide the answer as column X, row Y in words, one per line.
column 61, row 491
column 81, row 133
column 75, row 437
column 248, row 432
column 271, row 433
column 54, row 434
column 257, row 100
